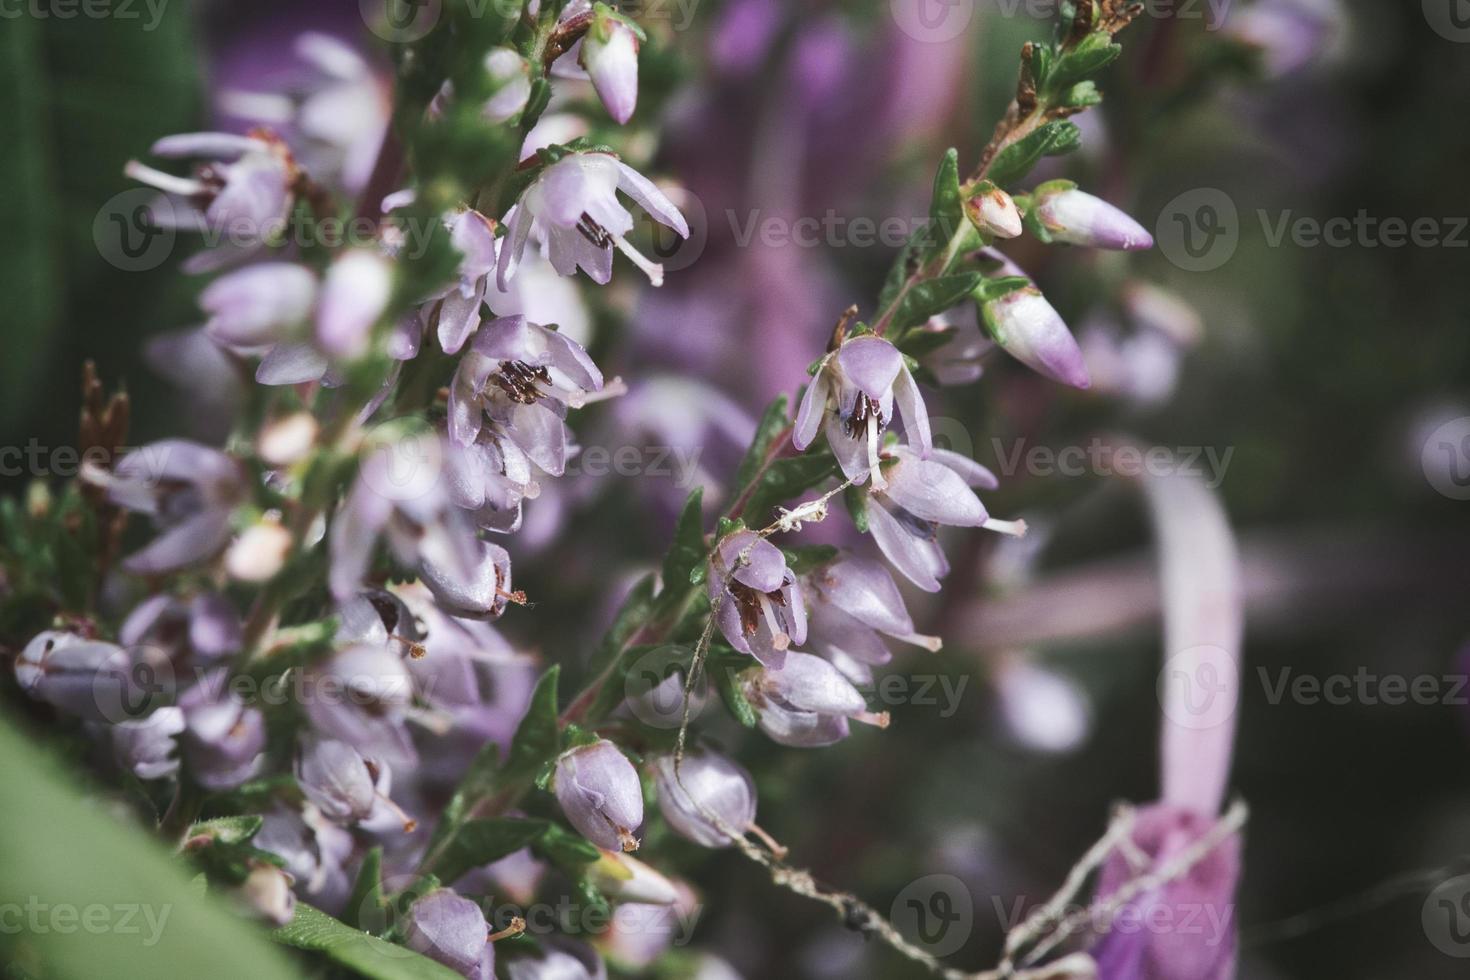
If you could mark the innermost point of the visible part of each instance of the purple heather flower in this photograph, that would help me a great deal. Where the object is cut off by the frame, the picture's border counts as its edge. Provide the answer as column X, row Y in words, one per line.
column 206, row 627
column 316, row 852
column 742, row 35
column 759, row 609
column 189, row 490
column 1206, row 893
column 451, row 930
column 245, row 192
column 864, row 379
column 807, row 703
column 145, row 747
column 511, row 75
column 922, row 494
column 355, row 293
column 573, row 207
column 259, row 305
column 708, row 781
column 958, row 362
column 599, row 792
column 224, row 739
column 523, row 376
column 490, row 478
column 91, row 679
column 1289, row 33
column 473, row 236
column 558, row 959
column 361, row 695
column 347, row 787
column 1030, row 329
column 1078, row 218
column 610, row 55
column 480, row 590
column 852, row 601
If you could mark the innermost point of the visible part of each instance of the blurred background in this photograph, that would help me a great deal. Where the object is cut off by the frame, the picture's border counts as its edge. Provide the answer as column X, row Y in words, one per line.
column 1309, row 355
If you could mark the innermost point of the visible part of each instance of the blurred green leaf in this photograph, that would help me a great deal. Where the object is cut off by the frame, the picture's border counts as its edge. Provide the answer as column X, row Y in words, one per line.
column 368, row 956
column 688, row 550
column 480, row 842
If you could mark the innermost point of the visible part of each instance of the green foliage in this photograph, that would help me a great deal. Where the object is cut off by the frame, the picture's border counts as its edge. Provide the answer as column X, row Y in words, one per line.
column 786, row 479
column 1051, row 139
column 774, row 421
column 367, row 956
column 688, row 551
column 932, row 296
column 482, row 841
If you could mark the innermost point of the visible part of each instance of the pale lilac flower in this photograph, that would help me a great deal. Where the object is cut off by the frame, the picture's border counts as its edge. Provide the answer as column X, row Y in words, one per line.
column 479, row 590
column 1028, row 328
column 922, row 494
column 511, row 75
column 959, row 360
column 708, row 781
column 223, row 738
column 1078, row 218
column 490, row 478
column 189, row 490
column 557, row 959
column 346, row 786
column 361, row 695
column 1043, row 709
column 1206, row 893
column 451, row 930
column 1142, row 367
column 244, row 194
column 259, row 305
column 316, row 852
column 600, row 795
column 807, row 703
column 542, row 296
column 355, row 293
column 759, row 607
column 523, row 376
column 852, row 601
column 458, row 309
column 206, row 627
column 146, row 746
column 864, row 380
column 624, row 879
column 63, row 669
column 610, row 55
column 573, row 207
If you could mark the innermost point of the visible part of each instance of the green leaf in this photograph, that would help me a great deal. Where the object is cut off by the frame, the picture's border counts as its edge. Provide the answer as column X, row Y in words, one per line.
column 773, row 422
column 1083, row 95
column 1016, row 160
column 480, row 842
column 908, row 261
column 726, row 672
column 932, row 296
column 62, row 849
column 565, row 849
column 688, row 550
column 991, row 289
column 538, row 739
column 228, row 830
column 803, row 559
column 947, row 205
column 367, row 956
column 856, row 499
column 1093, row 53
column 786, row 479
column 367, row 890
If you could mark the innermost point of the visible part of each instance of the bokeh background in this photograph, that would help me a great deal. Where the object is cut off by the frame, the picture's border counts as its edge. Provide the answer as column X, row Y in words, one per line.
column 1323, row 369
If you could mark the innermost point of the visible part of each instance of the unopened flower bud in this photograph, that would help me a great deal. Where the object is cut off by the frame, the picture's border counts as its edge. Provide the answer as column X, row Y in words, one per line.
column 599, row 792
column 451, row 930
column 610, row 55
column 91, row 679
column 267, row 891
column 1031, row 330
column 627, row 879
column 807, row 703
column 259, row 552
column 336, row 777
column 354, row 296
column 511, row 75
column 287, row 440
column 1078, row 218
column 707, row 783
column 992, row 210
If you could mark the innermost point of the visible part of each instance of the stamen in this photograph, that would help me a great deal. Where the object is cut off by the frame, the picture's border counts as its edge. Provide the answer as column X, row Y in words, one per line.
column 779, row 639
column 1016, row 529
column 409, row 823
column 652, row 270
column 879, row 720
column 873, row 468
column 183, row 186
column 777, row 849
column 615, row 388
column 931, row 643
column 516, row 927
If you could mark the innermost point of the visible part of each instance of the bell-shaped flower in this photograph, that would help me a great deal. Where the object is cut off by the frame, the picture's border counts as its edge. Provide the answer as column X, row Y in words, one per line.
column 757, row 600
column 959, row 360
column 224, row 739
column 362, row 695
column 189, row 490
column 451, row 930
column 599, row 792
column 993, row 211
column 146, row 747
column 1078, row 218
column 853, row 600
column 853, row 397
column 490, row 478
column 478, row 590
column 245, row 193
column 807, row 703
column 921, row 495
column 355, row 294
column 91, row 679
column 1026, row 326
column 346, row 786
column 258, row 306
column 315, row 850
column 573, row 207
column 524, row 376
column 203, row 629
column 510, row 74
column 707, row 783
column 610, row 55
